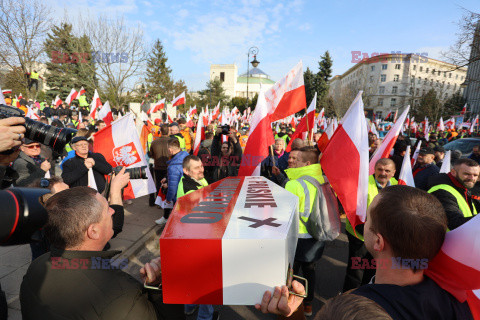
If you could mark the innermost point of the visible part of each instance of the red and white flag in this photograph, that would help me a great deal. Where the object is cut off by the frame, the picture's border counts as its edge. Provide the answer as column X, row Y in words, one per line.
column 287, row 96
column 193, row 110
column 31, row 114
column 373, row 129
column 415, row 154
column 383, row 151
column 441, row 125
column 7, row 91
column 306, row 124
column 120, row 145
column 260, row 137
column 71, row 96
column 446, row 162
column 2, row 98
column 406, row 174
column 179, row 100
column 464, row 110
column 80, row 120
column 216, row 112
column 20, row 97
column 345, row 162
column 105, row 113
column 474, row 124
column 456, row 268
column 325, row 137
column 96, row 103
column 160, row 105
column 199, row 134
column 81, row 92
column 58, row 101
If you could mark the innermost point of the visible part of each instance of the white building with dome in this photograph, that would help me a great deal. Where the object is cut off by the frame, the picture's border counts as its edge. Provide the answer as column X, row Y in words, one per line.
column 235, row 85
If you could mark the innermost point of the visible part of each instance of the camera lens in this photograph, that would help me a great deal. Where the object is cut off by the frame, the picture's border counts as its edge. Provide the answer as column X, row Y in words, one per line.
column 51, row 136
column 135, row 173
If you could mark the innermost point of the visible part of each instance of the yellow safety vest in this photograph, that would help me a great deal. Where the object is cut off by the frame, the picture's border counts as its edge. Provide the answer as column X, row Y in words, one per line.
column 34, row 75
column 462, row 203
column 82, row 101
column 372, row 192
column 180, row 192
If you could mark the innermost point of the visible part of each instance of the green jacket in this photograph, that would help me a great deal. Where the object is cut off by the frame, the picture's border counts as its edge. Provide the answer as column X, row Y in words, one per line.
column 188, row 185
column 313, row 170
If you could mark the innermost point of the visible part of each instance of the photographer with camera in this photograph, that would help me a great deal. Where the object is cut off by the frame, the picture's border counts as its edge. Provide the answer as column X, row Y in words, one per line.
column 76, row 170
column 12, row 131
column 226, row 156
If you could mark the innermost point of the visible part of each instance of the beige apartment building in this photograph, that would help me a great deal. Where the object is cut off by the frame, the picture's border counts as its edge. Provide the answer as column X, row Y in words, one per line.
column 393, row 81
column 235, row 85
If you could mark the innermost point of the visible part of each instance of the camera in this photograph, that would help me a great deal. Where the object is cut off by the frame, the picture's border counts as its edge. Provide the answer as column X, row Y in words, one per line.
column 22, row 214
column 225, row 129
column 135, row 173
column 51, row 136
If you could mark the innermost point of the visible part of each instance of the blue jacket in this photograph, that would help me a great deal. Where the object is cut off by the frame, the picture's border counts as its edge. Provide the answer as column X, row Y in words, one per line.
column 174, row 174
column 421, row 175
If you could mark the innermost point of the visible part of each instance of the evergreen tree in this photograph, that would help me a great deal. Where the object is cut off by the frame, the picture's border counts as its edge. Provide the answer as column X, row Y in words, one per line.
column 213, row 94
column 453, row 105
column 322, row 77
column 66, row 53
column 158, row 79
column 429, row 107
column 309, row 80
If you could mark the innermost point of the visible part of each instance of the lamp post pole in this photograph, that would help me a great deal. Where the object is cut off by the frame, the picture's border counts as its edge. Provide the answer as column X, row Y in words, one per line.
column 254, row 52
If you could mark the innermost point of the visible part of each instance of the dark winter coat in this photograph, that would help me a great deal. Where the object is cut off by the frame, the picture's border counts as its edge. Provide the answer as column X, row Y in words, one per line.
column 174, row 174
column 75, row 173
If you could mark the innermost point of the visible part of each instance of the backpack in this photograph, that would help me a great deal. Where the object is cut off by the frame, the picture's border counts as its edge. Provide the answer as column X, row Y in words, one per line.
column 323, row 222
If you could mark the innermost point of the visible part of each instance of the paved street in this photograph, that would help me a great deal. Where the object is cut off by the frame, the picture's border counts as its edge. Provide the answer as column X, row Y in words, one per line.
column 140, row 234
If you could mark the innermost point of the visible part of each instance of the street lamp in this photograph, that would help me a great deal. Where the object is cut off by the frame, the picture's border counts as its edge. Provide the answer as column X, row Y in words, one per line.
column 253, row 51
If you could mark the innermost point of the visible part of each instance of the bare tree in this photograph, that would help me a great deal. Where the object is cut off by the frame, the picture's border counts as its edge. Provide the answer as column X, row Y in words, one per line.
column 119, row 54
column 23, row 27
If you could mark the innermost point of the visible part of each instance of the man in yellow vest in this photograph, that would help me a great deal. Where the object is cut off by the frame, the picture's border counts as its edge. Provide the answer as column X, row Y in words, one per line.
column 456, row 191
column 309, row 250
column 34, row 79
column 175, row 132
column 357, row 276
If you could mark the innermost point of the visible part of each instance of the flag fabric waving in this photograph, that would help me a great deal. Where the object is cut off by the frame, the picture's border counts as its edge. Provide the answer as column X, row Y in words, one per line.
column 383, row 151
column 179, row 100
column 120, row 145
column 58, row 101
column 464, row 110
column 306, row 124
column 441, row 125
column 2, row 98
column 345, row 162
column 259, row 139
column 71, row 96
column 95, row 104
column 106, row 113
column 325, row 137
column 199, row 134
column 406, row 174
column 287, row 96
column 446, row 162
column 160, row 105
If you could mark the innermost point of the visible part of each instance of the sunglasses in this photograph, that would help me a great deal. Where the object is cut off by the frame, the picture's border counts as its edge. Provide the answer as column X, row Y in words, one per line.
column 35, row 146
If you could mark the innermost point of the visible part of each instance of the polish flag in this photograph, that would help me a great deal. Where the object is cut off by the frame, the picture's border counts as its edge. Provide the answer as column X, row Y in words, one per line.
column 105, row 113
column 120, row 145
column 7, row 91
column 325, row 137
column 345, row 162
column 71, row 96
column 216, row 112
column 456, row 268
column 446, row 162
column 463, row 110
column 58, row 101
column 474, row 124
column 415, row 154
column 96, row 103
column 383, row 151
column 406, row 176
column 193, row 110
column 189, row 121
column 305, row 124
column 450, row 124
column 160, row 105
column 373, row 129
column 200, row 134
column 441, row 125
column 20, row 97
column 179, row 100
column 473, row 299
column 169, row 118
column 2, row 97
column 81, row 92
column 31, row 114
column 260, row 138
column 287, row 96
column 80, row 120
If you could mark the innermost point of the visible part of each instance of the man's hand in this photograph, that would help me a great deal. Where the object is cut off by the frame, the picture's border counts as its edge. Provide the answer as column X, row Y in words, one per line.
column 89, row 163
column 282, row 302
column 11, row 132
column 119, row 181
column 45, row 165
column 275, row 171
column 150, row 273
column 233, row 136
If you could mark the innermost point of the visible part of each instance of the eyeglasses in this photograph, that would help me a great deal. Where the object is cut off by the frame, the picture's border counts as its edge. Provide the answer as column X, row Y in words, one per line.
column 44, row 183
column 33, row 146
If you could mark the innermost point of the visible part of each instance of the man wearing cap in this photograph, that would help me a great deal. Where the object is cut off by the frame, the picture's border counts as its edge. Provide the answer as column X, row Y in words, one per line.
column 29, row 165
column 175, row 132
column 439, row 155
column 75, row 170
column 424, row 168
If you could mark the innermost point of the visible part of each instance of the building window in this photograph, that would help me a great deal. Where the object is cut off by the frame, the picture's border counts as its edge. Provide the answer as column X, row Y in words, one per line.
column 415, row 102
column 383, row 78
column 456, row 76
column 380, row 102
column 411, row 91
column 423, row 92
column 394, row 90
column 222, row 76
column 421, row 69
column 433, row 71
column 425, row 81
column 371, row 79
column 431, row 82
column 419, row 80
column 381, row 89
column 454, row 87
column 378, row 114
column 372, row 68
column 461, row 78
column 438, row 83
column 449, row 74
column 439, row 72
column 417, row 92
column 445, row 74
column 396, row 78
column 448, row 85
column 384, row 66
column 397, row 66
column 414, row 67
column 413, row 79
column 426, row 70
column 393, row 102
column 443, row 84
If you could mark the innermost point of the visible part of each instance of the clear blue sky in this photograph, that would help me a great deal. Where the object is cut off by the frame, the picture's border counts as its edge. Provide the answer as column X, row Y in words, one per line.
column 196, row 34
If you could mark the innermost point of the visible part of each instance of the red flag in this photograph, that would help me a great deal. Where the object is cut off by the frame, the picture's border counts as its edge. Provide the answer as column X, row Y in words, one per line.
column 406, row 175
column 7, row 91
column 58, row 101
column 259, row 140
column 81, row 92
column 170, row 119
column 106, row 113
column 325, row 138
column 120, row 145
column 345, row 162
column 463, row 110
column 160, row 105
column 473, row 299
column 304, row 126
column 287, row 96
column 179, row 100
column 383, row 151
column 71, row 96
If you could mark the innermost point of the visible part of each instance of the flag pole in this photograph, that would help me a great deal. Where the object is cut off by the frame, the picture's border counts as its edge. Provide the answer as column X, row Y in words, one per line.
column 272, row 156
column 306, row 118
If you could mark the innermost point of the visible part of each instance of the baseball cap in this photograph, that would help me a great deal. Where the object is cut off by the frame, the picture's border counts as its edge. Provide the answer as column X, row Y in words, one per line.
column 439, row 149
column 427, row 151
column 79, row 138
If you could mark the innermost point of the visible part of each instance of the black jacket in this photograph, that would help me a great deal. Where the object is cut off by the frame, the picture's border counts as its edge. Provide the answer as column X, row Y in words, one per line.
column 421, row 175
column 225, row 166
column 75, row 173
column 28, row 171
column 83, row 285
column 449, row 202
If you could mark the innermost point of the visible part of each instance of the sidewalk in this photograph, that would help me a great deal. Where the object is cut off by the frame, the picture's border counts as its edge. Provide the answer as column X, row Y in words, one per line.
column 139, row 228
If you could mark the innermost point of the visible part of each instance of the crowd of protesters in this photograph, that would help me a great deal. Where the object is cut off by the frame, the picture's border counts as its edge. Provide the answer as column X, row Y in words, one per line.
column 404, row 222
